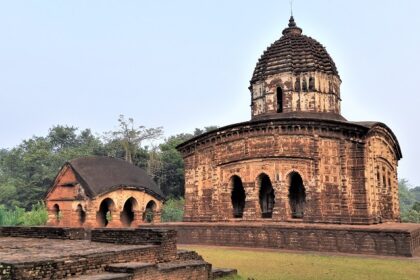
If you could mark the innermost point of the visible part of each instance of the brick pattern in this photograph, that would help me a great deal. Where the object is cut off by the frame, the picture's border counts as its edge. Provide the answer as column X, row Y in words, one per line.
column 336, row 161
column 45, row 232
column 166, row 239
column 393, row 241
column 156, row 247
column 69, row 195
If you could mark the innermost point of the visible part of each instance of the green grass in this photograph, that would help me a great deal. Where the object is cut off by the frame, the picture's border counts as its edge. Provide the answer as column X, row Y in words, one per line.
column 270, row 265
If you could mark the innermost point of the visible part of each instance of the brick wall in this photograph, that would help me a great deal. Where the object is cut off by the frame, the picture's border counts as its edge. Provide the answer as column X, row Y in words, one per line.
column 166, row 239
column 45, row 232
column 404, row 241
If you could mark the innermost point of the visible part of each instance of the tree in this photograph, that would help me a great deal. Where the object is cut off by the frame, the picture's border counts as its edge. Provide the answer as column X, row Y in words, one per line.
column 29, row 169
column 130, row 137
column 407, row 199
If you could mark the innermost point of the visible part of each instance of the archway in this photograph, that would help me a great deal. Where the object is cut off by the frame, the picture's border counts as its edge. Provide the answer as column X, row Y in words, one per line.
column 237, row 197
column 297, row 196
column 149, row 212
column 266, row 196
column 81, row 214
column 104, row 215
column 128, row 215
column 279, row 100
column 57, row 213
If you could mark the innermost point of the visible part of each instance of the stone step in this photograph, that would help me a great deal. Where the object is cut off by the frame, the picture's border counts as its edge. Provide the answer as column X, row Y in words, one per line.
column 104, row 276
column 130, row 267
column 171, row 266
column 223, row 272
column 185, row 255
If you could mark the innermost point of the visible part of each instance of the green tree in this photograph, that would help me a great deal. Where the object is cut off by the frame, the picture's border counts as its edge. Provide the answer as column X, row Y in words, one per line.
column 130, row 136
column 28, row 170
column 407, row 198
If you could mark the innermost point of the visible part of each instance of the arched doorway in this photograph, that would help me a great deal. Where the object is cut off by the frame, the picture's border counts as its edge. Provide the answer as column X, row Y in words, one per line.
column 279, row 100
column 128, row 215
column 57, row 213
column 237, row 196
column 104, row 215
column 266, row 196
column 297, row 196
column 81, row 214
column 149, row 212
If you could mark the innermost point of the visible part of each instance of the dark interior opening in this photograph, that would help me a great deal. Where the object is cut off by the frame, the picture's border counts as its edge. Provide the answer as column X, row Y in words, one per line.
column 279, row 100
column 238, row 197
column 81, row 214
column 297, row 196
column 149, row 213
column 127, row 215
column 105, row 212
column 57, row 212
column 266, row 196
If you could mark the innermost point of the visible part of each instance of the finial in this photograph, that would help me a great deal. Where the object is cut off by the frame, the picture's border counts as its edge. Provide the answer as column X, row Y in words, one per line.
column 291, row 8
column 292, row 29
column 292, row 22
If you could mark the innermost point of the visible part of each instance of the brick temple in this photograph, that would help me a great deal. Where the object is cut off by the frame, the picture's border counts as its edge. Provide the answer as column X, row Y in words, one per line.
column 298, row 175
column 103, row 192
column 298, row 159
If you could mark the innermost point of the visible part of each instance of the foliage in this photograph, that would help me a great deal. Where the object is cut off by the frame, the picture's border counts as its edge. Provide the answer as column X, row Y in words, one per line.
column 130, row 137
column 409, row 202
column 27, row 170
column 270, row 265
column 17, row 217
column 173, row 210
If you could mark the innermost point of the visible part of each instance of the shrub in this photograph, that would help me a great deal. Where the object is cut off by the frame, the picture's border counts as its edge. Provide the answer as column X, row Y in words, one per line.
column 173, row 210
column 17, row 217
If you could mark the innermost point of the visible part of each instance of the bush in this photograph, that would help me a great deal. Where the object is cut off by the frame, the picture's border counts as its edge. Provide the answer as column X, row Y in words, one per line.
column 18, row 217
column 173, row 210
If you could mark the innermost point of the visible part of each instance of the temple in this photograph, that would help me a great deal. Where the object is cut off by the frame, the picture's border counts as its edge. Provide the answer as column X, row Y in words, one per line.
column 298, row 159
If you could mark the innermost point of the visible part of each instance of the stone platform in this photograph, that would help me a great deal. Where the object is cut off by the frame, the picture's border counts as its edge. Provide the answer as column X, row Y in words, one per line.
column 392, row 239
column 77, row 253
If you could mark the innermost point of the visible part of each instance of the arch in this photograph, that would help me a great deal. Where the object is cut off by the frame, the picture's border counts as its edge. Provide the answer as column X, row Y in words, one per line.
column 304, row 85
column 311, row 83
column 266, row 196
column 81, row 214
column 237, row 196
column 297, row 195
column 149, row 212
column 279, row 100
column 127, row 215
column 57, row 212
column 104, row 215
column 297, row 84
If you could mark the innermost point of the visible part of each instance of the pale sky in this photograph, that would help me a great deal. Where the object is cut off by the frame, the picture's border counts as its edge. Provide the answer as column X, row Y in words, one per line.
column 187, row 64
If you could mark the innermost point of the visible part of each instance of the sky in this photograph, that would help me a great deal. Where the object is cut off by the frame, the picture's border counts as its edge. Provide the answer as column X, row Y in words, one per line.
column 187, row 64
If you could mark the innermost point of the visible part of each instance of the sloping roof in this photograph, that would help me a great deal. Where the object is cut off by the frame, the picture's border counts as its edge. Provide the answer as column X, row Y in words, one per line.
column 99, row 175
column 295, row 53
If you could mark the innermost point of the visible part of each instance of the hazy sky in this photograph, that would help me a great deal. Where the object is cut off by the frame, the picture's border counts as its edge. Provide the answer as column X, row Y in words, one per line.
column 187, row 64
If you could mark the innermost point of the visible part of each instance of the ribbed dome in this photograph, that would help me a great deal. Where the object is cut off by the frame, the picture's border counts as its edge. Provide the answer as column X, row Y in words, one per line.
column 295, row 53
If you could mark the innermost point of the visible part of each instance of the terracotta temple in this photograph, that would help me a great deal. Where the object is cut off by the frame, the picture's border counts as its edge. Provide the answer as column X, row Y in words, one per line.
column 297, row 159
column 103, row 192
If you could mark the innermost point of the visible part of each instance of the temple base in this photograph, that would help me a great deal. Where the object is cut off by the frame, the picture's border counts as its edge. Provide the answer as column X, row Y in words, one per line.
column 392, row 239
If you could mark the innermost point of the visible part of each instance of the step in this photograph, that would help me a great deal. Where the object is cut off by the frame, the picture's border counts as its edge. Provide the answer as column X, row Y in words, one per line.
column 170, row 266
column 223, row 272
column 104, row 276
column 185, row 255
column 129, row 267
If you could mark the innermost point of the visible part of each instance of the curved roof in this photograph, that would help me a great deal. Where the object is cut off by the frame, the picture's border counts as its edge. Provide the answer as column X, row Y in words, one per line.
column 295, row 53
column 296, row 118
column 99, row 175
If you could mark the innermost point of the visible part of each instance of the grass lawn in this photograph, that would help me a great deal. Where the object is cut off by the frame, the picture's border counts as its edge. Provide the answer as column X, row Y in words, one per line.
column 266, row 265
